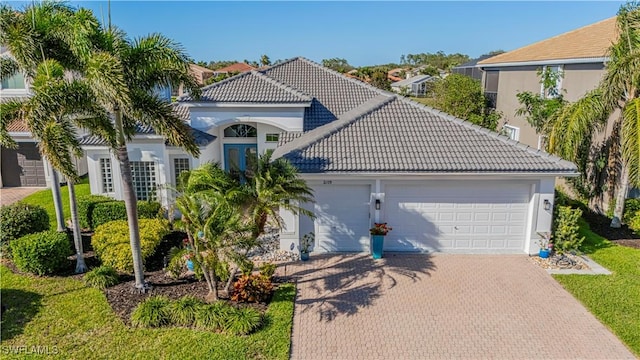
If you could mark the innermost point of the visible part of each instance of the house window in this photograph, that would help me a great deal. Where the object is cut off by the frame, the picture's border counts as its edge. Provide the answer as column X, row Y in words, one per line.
column 241, row 130
column 512, row 132
column 273, row 137
column 14, row 82
column 551, row 81
column 180, row 165
column 144, row 179
column 542, row 141
column 107, row 176
column 491, row 80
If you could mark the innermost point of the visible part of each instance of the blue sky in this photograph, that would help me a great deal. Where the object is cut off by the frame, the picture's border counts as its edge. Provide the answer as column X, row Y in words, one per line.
column 364, row 33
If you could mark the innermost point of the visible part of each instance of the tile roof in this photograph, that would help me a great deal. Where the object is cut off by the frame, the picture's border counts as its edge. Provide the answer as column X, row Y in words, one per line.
column 250, row 87
column 202, row 138
column 333, row 93
column 396, row 135
column 591, row 41
column 237, row 67
column 17, row 126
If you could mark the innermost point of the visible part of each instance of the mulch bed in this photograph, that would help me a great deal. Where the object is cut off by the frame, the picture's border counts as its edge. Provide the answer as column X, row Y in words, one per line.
column 123, row 298
column 622, row 236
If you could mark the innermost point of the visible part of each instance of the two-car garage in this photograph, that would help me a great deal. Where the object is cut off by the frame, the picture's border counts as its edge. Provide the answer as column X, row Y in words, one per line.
column 448, row 216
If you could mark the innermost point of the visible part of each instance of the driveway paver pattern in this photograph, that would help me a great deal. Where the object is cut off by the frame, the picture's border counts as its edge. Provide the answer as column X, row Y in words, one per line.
column 439, row 306
column 9, row 195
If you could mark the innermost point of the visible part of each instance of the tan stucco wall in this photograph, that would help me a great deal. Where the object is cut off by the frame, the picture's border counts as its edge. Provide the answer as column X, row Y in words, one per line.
column 578, row 79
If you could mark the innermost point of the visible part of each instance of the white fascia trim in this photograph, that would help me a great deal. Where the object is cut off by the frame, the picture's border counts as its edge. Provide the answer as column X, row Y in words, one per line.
column 548, row 62
column 248, row 105
column 21, row 134
column 423, row 176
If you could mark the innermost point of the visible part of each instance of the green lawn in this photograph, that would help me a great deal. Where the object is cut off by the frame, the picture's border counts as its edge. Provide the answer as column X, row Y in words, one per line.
column 63, row 316
column 45, row 199
column 613, row 299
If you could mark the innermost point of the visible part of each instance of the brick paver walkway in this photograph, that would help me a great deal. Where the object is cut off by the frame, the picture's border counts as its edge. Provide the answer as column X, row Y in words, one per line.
column 442, row 306
column 9, row 195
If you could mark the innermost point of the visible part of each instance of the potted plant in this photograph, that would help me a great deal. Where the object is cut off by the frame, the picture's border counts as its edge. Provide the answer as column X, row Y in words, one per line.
column 545, row 245
column 305, row 246
column 378, row 232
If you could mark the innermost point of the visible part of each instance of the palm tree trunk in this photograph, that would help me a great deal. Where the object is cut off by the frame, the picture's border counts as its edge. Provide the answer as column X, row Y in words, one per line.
column 81, row 267
column 621, row 196
column 130, row 202
column 57, row 199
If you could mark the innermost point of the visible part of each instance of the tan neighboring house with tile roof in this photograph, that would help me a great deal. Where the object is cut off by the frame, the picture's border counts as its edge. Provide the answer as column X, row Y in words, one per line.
column 234, row 68
column 578, row 54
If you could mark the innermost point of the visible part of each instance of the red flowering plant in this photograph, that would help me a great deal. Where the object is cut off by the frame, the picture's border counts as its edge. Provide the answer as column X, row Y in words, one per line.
column 380, row 229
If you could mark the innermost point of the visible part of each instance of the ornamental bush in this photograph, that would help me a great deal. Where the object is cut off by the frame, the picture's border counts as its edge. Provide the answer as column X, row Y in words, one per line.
column 252, row 288
column 101, row 277
column 41, row 253
column 631, row 208
column 95, row 210
column 634, row 223
column 152, row 312
column 566, row 232
column 20, row 219
column 111, row 241
column 86, row 205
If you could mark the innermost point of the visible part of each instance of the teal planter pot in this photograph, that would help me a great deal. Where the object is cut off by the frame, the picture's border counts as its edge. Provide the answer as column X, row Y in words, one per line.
column 377, row 244
column 544, row 253
column 190, row 265
column 304, row 256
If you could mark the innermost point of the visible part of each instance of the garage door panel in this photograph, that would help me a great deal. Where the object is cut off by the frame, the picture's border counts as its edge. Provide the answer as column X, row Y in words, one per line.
column 476, row 217
column 342, row 217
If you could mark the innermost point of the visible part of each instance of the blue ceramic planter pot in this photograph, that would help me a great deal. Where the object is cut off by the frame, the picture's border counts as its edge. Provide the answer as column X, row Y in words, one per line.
column 304, row 256
column 377, row 243
column 544, row 253
column 190, row 265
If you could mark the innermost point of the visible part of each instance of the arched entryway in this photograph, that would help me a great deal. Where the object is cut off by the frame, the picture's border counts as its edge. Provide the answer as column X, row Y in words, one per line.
column 242, row 152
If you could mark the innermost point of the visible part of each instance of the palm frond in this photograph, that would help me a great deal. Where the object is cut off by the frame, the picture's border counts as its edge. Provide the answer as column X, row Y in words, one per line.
column 8, row 67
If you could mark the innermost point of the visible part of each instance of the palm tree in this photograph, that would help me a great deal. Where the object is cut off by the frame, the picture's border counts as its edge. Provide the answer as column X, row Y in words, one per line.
column 576, row 124
column 37, row 38
column 276, row 185
column 146, row 64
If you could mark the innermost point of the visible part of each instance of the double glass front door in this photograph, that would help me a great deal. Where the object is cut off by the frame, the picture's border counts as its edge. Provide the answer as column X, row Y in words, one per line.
column 240, row 158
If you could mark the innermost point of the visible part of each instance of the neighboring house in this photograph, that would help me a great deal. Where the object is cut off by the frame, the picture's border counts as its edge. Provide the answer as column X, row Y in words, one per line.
column 234, row 68
column 24, row 166
column 579, row 56
column 201, row 73
column 369, row 155
column 395, row 75
column 471, row 68
column 414, row 86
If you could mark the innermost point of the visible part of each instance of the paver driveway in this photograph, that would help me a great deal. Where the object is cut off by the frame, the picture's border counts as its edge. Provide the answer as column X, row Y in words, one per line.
column 441, row 306
column 10, row 195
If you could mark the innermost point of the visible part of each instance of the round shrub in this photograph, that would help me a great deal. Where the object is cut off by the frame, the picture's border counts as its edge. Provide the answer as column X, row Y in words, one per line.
column 101, row 277
column 111, row 241
column 86, row 206
column 41, row 253
column 634, row 224
column 152, row 312
column 183, row 312
column 631, row 209
column 252, row 288
column 20, row 219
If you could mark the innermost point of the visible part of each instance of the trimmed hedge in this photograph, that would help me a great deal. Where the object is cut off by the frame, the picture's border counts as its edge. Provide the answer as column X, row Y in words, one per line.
column 95, row 210
column 41, row 253
column 20, row 219
column 634, row 223
column 86, row 205
column 111, row 241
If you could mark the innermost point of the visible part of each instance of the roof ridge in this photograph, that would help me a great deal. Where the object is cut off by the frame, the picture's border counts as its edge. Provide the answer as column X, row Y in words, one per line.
column 493, row 134
column 187, row 97
column 282, row 85
column 357, row 82
column 328, row 129
column 500, row 56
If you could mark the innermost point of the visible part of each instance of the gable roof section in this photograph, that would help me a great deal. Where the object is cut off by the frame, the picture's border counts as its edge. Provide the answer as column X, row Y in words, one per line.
column 250, row 87
column 588, row 42
column 395, row 135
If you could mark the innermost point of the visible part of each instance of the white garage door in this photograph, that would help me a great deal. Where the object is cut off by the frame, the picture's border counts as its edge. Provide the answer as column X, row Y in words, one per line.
column 468, row 217
column 342, row 217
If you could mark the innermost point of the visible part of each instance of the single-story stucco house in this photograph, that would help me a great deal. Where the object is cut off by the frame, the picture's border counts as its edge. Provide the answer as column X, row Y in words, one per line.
column 442, row 183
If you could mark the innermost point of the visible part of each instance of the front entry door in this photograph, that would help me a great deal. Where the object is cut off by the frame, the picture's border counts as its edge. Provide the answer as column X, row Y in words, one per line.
column 240, row 157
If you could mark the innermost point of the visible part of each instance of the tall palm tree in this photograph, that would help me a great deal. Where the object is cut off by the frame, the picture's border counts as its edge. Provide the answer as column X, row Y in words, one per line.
column 45, row 41
column 147, row 63
column 577, row 123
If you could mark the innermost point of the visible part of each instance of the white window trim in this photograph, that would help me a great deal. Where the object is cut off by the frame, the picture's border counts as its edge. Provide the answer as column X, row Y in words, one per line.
column 102, row 182
column 175, row 172
column 516, row 132
column 558, row 82
column 266, row 138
